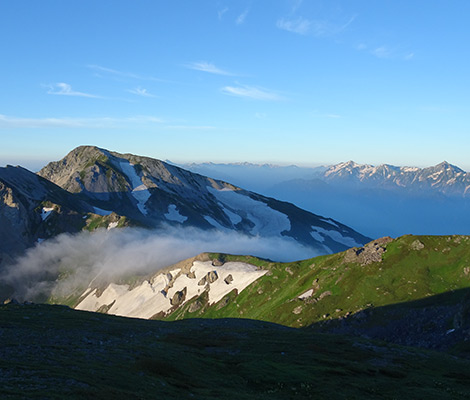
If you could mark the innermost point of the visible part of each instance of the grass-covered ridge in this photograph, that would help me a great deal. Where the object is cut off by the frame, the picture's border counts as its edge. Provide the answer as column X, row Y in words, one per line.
column 55, row 352
column 410, row 268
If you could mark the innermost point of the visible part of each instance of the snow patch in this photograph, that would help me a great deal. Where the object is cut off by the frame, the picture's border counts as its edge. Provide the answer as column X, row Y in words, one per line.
column 334, row 235
column 215, row 224
column 306, row 295
column 234, row 218
column 45, row 212
column 140, row 192
column 268, row 222
column 150, row 298
column 112, row 225
column 329, row 221
column 100, row 211
column 174, row 215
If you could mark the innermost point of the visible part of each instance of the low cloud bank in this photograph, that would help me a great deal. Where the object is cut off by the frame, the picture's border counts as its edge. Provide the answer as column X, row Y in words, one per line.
column 110, row 255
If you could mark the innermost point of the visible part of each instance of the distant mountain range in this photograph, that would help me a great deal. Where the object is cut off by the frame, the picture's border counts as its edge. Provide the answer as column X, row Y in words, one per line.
column 442, row 178
column 93, row 187
column 377, row 200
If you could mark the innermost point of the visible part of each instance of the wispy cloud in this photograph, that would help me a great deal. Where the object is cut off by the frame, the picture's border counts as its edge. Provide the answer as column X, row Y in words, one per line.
column 299, row 25
column 382, row 52
column 141, row 92
column 210, row 68
column 241, row 18
column 317, row 28
column 251, row 92
column 64, row 89
column 386, row 52
column 110, row 71
column 221, row 13
column 69, row 122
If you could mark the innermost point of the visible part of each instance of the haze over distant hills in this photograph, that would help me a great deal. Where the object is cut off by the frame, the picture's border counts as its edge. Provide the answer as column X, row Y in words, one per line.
column 378, row 200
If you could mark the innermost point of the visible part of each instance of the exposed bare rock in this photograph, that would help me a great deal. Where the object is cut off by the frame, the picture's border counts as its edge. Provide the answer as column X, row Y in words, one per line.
column 229, row 279
column 371, row 253
column 191, row 275
column 323, row 295
column 297, row 310
column 211, row 277
column 417, row 245
column 195, row 306
column 179, row 297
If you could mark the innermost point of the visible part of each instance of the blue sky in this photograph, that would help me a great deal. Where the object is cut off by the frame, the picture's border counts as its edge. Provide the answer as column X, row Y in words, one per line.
column 281, row 81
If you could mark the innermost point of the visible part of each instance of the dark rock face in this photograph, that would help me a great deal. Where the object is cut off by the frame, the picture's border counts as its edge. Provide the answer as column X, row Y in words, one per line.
column 179, row 297
column 23, row 196
column 210, row 277
column 229, row 279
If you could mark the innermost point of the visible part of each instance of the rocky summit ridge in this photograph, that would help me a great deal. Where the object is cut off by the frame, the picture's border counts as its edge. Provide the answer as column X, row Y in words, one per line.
column 92, row 187
column 152, row 192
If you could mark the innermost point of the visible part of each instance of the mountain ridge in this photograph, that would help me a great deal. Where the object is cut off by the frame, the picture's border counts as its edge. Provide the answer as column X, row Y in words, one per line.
column 152, row 191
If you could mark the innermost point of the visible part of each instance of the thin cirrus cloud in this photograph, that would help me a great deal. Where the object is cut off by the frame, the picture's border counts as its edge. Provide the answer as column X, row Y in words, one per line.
column 10, row 122
column 64, row 89
column 221, row 13
column 317, row 28
column 251, row 92
column 208, row 67
column 241, row 18
column 391, row 53
column 300, row 25
column 122, row 74
column 139, row 91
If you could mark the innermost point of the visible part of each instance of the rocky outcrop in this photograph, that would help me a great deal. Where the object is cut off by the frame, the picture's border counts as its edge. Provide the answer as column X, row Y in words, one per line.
column 211, row 277
column 179, row 297
column 371, row 253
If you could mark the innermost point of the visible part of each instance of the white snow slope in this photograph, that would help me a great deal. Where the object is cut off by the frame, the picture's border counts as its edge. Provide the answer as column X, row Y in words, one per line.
column 154, row 296
column 139, row 190
column 267, row 221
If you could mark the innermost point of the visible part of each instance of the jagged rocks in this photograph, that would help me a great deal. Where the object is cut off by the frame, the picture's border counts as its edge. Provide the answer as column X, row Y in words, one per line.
column 179, row 297
column 211, row 277
column 417, row 245
column 229, row 279
column 371, row 253
column 191, row 275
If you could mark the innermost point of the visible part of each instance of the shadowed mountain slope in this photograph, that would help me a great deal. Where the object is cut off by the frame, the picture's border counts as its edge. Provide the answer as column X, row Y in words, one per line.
column 99, row 356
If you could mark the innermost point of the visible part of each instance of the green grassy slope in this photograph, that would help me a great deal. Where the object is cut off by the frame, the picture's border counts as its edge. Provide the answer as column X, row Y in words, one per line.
column 411, row 268
column 53, row 352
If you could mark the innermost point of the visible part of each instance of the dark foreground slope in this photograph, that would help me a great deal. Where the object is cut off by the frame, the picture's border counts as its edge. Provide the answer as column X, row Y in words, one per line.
column 53, row 352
